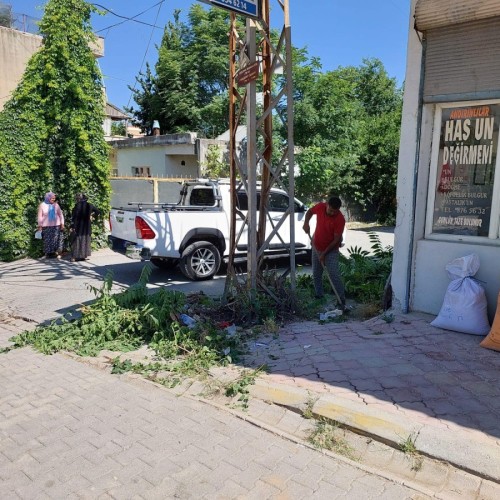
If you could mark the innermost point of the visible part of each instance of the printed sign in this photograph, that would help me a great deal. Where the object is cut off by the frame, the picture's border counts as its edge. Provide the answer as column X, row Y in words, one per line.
column 248, row 74
column 466, row 169
column 244, row 7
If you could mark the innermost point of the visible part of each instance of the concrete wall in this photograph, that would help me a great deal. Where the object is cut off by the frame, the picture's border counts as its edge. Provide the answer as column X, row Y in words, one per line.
column 403, row 233
column 159, row 159
column 16, row 48
column 204, row 144
column 431, row 278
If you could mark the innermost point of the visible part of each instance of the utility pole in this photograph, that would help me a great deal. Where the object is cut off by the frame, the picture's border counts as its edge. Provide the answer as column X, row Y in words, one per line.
column 253, row 56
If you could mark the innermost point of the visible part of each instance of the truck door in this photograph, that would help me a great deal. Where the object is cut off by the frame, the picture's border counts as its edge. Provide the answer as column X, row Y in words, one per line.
column 278, row 203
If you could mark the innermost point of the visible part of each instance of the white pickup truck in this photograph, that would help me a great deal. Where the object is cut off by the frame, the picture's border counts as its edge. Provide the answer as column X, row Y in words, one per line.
column 194, row 232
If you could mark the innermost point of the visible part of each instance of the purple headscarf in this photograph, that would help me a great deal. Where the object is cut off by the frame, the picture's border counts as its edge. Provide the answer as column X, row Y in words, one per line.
column 52, row 208
column 48, row 196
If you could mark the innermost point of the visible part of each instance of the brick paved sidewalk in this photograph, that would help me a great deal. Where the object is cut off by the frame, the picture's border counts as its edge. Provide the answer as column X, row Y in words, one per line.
column 407, row 373
column 68, row 430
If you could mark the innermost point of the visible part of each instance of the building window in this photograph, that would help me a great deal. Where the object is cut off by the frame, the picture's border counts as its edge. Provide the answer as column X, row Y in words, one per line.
column 141, row 171
column 464, row 185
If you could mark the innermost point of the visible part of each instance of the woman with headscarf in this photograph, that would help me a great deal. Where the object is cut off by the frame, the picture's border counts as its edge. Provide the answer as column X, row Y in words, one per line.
column 81, row 229
column 51, row 223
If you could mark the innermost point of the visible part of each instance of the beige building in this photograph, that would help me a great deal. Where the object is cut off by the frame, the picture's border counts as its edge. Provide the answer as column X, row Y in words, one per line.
column 17, row 47
column 162, row 156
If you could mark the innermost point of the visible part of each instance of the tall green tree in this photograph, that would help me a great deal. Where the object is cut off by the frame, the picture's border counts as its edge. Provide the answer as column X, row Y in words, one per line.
column 346, row 126
column 51, row 135
column 187, row 91
column 382, row 102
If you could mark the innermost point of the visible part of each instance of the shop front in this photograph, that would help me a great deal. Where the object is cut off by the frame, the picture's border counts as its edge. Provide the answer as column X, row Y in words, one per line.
column 449, row 177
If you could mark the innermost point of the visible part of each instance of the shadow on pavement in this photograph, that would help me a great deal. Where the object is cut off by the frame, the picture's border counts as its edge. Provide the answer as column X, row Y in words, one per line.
column 403, row 365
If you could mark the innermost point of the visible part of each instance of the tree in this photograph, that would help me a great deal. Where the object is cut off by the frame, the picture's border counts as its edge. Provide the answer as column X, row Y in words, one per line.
column 118, row 128
column 51, row 135
column 347, row 132
column 215, row 165
column 6, row 15
column 187, row 91
column 382, row 102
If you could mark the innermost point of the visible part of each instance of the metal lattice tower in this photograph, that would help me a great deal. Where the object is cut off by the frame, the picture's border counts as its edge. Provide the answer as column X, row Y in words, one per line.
column 248, row 47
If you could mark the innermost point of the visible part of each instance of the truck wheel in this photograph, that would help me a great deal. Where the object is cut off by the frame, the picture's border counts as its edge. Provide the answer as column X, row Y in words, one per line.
column 164, row 263
column 200, row 261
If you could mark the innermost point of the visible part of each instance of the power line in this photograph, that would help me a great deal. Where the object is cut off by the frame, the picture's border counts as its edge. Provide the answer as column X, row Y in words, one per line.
column 147, row 48
column 133, row 18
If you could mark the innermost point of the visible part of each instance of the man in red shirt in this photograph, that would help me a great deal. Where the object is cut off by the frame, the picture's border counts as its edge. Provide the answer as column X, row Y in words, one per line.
column 326, row 243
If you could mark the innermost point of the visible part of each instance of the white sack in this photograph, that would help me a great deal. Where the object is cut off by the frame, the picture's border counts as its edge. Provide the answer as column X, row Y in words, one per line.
column 464, row 308
column 463, row 266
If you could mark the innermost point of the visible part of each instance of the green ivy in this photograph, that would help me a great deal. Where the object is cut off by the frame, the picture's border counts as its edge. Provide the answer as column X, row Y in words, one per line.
column 51, row 135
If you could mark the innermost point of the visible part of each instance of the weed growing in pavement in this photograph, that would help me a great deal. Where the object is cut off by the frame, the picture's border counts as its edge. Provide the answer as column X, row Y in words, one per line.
column 326, row 436
column 309, row 405
column 388, row 318
column 334, row 319
column 270, row 326
column 408, row 447
column 241, row 385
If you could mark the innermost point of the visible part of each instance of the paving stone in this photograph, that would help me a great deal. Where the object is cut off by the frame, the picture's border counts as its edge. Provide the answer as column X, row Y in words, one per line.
column 58, row 396
column 489, row 490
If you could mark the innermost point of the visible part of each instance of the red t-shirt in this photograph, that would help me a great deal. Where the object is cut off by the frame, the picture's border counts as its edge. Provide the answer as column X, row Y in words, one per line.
column 327, row 226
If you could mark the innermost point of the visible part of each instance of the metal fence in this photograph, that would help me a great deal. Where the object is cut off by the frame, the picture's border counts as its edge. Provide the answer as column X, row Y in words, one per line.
column 18, row 21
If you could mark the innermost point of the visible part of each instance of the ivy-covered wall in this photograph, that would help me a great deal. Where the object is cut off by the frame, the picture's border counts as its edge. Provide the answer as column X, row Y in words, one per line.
column 51, row 135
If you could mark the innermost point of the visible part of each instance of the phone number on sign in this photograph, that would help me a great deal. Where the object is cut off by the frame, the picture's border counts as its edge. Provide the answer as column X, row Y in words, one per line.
column 241, row 5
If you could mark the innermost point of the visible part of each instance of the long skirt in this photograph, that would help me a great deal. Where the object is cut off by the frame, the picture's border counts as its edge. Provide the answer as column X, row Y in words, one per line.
column 80, row 247
column 52, row 239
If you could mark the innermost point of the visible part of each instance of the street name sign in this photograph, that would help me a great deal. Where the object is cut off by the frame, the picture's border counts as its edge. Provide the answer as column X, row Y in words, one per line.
column 244, row 7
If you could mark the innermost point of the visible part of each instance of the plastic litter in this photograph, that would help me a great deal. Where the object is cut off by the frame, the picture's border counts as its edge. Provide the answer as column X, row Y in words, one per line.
column 330, row 314
column 230, row 330
column 187, row 320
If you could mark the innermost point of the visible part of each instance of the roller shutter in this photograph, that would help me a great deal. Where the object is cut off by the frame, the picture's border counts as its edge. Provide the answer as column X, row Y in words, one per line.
column 463, row 59
column 432, row 14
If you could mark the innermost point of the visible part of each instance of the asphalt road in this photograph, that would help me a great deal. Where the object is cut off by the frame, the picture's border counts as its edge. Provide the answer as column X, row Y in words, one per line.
column 30, row 288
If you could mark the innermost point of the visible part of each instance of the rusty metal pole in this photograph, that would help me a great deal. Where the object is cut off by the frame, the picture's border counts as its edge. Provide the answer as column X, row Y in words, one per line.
column 267, row 125
column 232, row 153
column 290, row 139
column 251, row 164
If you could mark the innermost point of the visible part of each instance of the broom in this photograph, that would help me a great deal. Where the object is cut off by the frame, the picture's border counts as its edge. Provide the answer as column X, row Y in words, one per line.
column 327, row 274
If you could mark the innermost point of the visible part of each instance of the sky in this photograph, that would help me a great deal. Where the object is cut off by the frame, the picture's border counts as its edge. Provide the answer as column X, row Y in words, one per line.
column 339, row 32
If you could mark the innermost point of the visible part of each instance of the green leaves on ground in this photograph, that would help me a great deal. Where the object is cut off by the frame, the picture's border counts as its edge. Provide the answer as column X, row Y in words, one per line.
column 125, row 321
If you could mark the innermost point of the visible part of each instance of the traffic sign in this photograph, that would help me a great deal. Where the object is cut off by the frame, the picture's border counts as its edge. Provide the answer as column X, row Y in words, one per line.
column 245, row 7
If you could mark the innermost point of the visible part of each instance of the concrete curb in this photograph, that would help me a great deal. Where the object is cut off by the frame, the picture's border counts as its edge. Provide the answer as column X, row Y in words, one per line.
column 475, row 455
